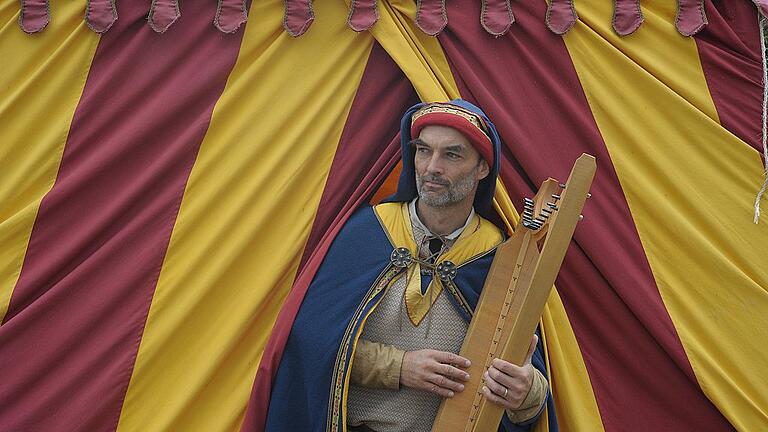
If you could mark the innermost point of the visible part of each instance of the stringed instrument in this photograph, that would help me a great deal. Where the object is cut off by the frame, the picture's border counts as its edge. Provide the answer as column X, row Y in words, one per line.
column 517, row 287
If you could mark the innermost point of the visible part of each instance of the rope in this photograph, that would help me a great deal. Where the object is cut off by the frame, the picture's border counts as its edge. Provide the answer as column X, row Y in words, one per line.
column 765, row 122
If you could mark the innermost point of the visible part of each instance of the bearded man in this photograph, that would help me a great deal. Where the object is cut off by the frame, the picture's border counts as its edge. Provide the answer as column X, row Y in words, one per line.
column 374, row 345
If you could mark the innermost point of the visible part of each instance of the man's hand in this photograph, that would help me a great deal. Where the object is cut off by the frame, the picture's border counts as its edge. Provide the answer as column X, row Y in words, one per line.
column 507, row 384
column 434, row 371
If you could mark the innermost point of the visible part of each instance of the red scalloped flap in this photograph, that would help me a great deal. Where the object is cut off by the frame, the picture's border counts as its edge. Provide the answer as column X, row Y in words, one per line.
column 430, row 16
column 561, row 16
column 496, row 16
column 690, row 17
column 298, row 16
column 230, row 15
column 100, row 15
column 363, row 14
column 35, row 15
column 627, row 16
column 162, row 14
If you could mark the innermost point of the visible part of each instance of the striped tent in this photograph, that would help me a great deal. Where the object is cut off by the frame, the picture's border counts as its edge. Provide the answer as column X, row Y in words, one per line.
column 171, row 176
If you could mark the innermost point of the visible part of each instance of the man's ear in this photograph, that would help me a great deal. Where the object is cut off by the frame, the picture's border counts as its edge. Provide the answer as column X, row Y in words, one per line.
column 482, row 170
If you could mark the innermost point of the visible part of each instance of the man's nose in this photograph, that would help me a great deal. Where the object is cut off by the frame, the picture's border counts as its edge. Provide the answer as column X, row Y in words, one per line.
column 435, row 165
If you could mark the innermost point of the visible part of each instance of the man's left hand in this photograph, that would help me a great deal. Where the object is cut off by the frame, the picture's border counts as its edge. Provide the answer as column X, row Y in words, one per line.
column 507, row 384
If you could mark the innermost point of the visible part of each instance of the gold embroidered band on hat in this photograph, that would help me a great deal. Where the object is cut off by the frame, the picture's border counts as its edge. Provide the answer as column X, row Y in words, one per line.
column 471, row 117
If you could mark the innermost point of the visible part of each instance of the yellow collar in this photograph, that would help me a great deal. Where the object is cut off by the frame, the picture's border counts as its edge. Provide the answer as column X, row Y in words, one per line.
column 478, row 237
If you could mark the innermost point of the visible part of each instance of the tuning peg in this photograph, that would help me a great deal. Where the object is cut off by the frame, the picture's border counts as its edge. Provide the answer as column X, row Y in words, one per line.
column 546, row 211
column 528, row 200
column 562, row 185
column 553, row 206
column 556, row 197
column 581, row 217
column 589, row 195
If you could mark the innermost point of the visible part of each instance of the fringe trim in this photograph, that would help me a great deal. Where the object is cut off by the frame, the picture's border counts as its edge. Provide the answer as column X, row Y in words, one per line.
column 762, row 190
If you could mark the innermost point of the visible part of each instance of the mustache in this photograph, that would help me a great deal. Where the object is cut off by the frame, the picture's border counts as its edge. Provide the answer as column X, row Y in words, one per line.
column 434, row 179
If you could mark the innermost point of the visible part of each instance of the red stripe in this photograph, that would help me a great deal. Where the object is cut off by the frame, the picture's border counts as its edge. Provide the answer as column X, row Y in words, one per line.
column 529, row 87
column 365, row 154
column 77, row 313
column 729, row 48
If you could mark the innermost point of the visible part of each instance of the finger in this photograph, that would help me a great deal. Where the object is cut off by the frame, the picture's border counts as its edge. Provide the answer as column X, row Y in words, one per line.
column 452, row 372
column 440, row 391
column 494, row 398
column 531, row 349
column 507, row 380
column 516, row 388
column 508, row 368
column 446, row 383
column 451, row 358
column 497, row 388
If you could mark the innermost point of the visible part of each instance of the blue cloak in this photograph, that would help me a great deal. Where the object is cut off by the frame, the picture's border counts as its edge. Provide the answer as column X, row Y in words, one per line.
column 310, row 385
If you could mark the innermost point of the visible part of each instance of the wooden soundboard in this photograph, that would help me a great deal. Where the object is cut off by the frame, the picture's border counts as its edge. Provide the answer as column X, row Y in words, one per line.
column 515, row 291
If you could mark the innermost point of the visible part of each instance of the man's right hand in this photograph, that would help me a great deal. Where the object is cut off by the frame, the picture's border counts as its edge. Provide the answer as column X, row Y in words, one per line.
column 434, row 371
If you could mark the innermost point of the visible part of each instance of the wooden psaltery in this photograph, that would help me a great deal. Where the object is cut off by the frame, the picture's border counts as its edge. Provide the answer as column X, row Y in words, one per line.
column 514, row 295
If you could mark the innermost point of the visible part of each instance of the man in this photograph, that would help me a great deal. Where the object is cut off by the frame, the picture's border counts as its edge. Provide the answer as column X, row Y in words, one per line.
column 374, row 344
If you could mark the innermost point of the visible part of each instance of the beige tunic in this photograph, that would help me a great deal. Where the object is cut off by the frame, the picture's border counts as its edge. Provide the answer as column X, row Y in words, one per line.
column 410, row 410
column 442, row 329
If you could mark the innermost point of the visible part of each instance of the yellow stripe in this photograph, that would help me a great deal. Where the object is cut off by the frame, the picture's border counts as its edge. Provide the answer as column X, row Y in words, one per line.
column 42, row 79
column 245, row 217
column 690, row 185
column 419, row 56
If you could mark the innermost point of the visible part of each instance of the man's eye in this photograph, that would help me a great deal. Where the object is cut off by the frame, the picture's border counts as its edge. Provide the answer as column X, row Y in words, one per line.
column 422, row 149
column 454, row 155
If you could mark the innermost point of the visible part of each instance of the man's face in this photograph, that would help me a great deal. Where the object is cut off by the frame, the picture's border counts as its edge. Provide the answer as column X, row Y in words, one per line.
column 448, row 168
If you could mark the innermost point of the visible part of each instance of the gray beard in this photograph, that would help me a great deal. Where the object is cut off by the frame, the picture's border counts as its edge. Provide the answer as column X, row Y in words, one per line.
column 455, row 193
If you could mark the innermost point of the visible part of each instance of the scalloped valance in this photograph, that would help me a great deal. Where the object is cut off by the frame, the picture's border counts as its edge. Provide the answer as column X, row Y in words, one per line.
column 496, row 16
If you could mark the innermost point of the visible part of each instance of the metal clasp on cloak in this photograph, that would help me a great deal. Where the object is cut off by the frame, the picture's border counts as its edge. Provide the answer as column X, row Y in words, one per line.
column 401, row 257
